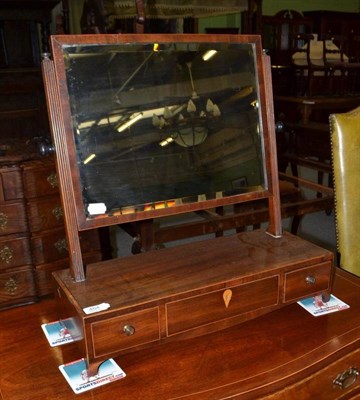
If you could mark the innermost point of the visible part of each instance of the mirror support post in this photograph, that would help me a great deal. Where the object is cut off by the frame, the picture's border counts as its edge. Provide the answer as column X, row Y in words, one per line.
column 275, row 226
column 67, row 195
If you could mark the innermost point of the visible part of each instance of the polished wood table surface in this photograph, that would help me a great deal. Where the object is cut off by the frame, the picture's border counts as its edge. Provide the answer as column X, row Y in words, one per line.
column 286, row 354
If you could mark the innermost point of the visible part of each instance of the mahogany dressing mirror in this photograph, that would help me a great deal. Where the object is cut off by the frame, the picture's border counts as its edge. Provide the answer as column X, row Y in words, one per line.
column 146, row 126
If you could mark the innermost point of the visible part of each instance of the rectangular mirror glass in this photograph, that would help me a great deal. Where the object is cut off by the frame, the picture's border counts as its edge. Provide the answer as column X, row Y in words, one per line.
column 164, row 124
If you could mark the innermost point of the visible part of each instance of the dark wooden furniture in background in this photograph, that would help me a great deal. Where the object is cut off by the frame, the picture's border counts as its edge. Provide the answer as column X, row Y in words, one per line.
column 33, row 240
column 309, row 89
column 308, row 130
column 334, row 22
column 24, row 32
column 153, row 234
column 278, row 30
column 16, row 272
column 278, row 33
column 48, row 242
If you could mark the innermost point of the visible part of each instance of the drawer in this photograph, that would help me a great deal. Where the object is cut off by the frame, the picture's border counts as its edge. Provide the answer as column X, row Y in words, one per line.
column 14, row 251
column 207, row 308
column 307, row 281
column 320, row 385
column 11, row 187
column 125, row 331
column 45, row 213
column 39, row 179
column 12, row 218
column 52, row 245
column 43, row 272
column 16, row 284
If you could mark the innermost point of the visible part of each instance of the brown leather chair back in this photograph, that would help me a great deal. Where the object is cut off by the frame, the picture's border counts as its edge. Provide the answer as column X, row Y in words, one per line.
column 345, row 143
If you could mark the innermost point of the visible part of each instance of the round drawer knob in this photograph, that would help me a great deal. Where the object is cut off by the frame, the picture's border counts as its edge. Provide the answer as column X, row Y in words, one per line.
column 310, row 280
column 128, row 330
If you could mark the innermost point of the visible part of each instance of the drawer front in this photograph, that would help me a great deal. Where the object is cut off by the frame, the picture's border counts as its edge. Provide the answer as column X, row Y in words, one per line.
column 17, row 284
column 12, row 218
column 39, row 179
column 307, row 281
column 14, row 252
column 126, row 331
column 52, row 246
column 11, row 186
column 204, row 309
column 321, row 385
column 45, row 213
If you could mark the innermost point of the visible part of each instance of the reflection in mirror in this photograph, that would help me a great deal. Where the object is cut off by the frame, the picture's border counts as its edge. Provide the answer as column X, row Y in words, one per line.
column 158, row 125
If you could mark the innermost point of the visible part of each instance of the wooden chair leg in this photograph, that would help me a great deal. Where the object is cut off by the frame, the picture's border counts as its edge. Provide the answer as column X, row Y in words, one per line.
column 295, row 224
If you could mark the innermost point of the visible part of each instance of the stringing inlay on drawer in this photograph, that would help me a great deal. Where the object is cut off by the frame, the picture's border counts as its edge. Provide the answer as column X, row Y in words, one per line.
column 307, row 281
column 125, row 331
column 204, row 309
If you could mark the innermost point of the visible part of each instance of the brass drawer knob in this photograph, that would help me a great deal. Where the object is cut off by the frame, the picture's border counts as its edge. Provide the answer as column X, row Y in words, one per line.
column 57, row 212
column 128, row 330
column 3, row 221
column 310, row 280
column 52, row 180
column 6, row 254
column 61, row 245
column 346, row 378
column 11, row 286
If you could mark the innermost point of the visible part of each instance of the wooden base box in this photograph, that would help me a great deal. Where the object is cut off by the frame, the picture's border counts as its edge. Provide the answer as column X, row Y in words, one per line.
column 189, row 290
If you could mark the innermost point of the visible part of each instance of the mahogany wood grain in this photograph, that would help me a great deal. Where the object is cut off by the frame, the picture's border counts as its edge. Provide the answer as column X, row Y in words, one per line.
column 108, row 336
column 187, row 284
column 14, row 251
column 43, row 272
column 275, row 227
column 40, row 178
column 283, row 355
column 17, row 286
column 52, row 245
column 10, row 184
column 305, row 281
column 147, row 277
column 45, row 213
column 209, row 307
column 13, row 218
column 63, row 170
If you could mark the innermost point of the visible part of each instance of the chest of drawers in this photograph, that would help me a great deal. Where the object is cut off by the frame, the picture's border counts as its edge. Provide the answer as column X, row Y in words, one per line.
column 17, row 285
column 33, row 241
column 48, row 240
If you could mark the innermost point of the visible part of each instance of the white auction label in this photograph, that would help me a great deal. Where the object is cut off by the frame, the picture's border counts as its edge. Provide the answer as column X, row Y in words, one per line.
column 96, row 208
column 96, row 308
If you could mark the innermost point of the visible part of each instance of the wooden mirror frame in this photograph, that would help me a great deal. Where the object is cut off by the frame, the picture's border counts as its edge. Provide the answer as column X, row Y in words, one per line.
column 62, row 133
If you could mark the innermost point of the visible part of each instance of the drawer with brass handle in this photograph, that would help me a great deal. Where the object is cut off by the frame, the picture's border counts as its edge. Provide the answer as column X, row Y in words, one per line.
column 12, row 218
column 125, row 331
column 45, row 213
column 17, row 284
column 40, row 179
column 14, row 251
column 307, row 281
